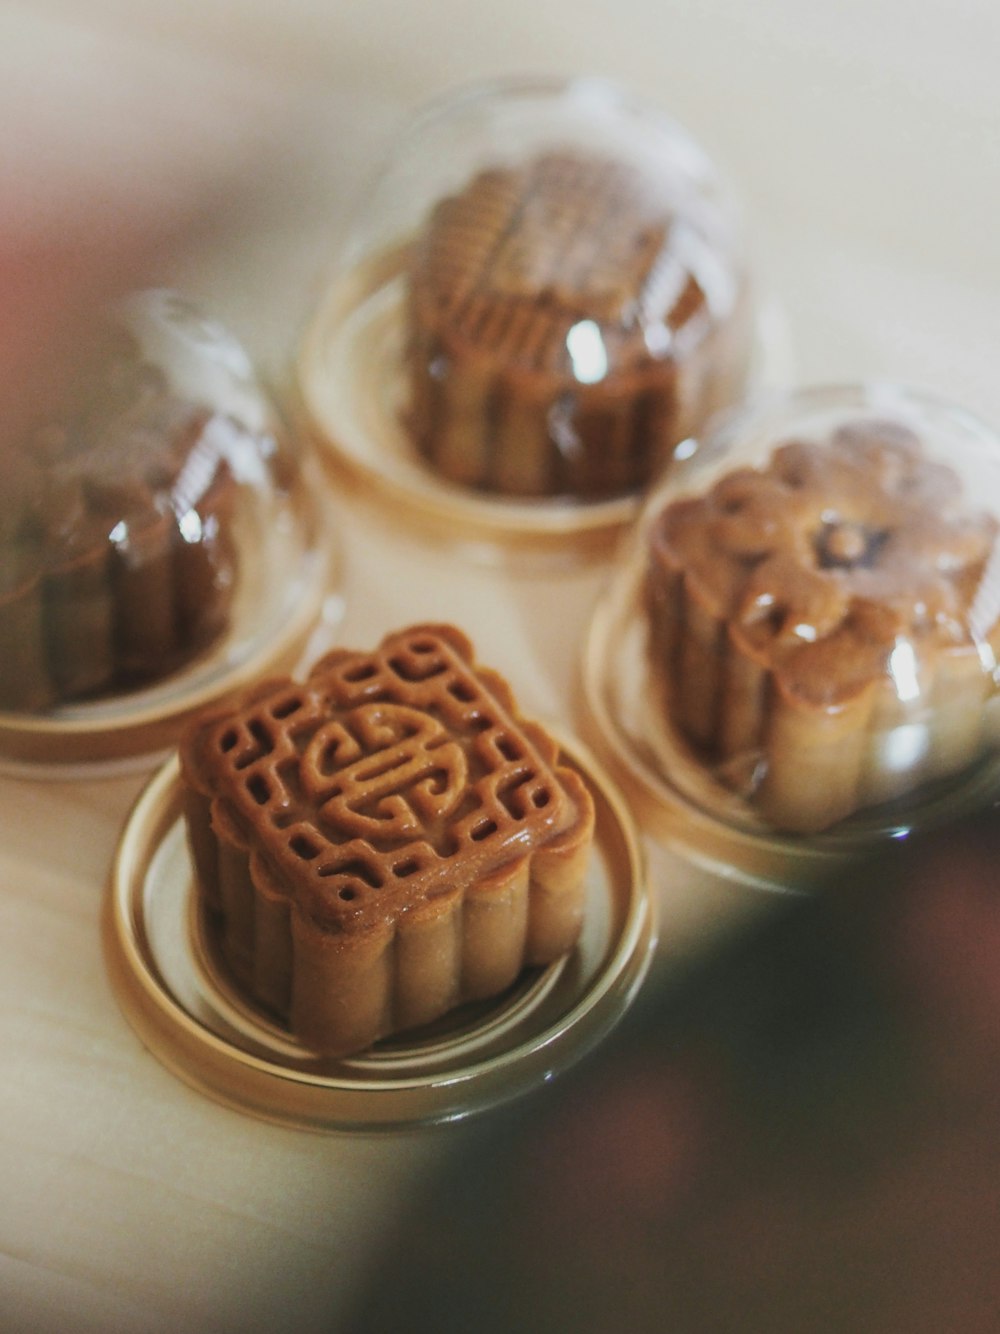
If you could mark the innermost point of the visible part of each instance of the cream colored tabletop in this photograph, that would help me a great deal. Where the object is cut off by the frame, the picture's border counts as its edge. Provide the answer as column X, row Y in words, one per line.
column 864, row 138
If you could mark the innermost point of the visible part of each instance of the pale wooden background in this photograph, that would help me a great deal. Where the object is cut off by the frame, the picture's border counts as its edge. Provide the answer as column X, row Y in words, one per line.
column 865, row 139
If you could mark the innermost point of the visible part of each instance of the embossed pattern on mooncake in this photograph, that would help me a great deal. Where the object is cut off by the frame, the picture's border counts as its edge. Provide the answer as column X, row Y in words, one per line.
column 567, row 324
column 385, row 839
column 811, row 623
column 578, row 239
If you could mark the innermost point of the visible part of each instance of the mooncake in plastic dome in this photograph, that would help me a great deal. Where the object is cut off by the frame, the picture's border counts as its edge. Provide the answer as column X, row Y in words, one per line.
column 545, row 290
column 815, row 617
column 120, row 534
column 578, row 304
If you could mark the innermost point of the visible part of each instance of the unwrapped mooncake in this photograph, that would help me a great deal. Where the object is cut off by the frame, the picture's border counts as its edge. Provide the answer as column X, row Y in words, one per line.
column 385, row 840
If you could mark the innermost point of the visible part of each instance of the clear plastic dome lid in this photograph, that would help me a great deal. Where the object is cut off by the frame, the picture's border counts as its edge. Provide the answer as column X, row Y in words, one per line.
column 803, row 637
column 546, row 291
column 143, row 508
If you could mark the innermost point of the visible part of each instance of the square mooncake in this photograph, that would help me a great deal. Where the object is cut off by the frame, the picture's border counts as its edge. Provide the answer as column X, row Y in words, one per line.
column 384, row 841
column 570, row 320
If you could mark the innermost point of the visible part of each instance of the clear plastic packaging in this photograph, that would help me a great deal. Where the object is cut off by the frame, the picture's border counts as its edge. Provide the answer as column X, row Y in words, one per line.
column 152, row 531
column 545, row 292
column 163, row 966
column 801, row 644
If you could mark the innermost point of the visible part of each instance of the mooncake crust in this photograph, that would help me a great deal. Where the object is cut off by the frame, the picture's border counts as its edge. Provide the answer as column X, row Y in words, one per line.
column 117, row 563
column 565, row 328
column 786, row 603
column 385, row 839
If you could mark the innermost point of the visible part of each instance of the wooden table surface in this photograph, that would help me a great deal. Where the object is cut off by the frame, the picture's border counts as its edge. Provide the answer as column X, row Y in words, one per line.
column 865, row 141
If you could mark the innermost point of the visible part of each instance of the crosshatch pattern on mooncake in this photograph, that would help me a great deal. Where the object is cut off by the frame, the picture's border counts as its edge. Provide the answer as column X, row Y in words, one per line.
column 545, row 230
column 387, row 775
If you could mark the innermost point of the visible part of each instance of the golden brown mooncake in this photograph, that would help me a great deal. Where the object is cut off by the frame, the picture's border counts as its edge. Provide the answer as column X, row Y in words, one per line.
column 568, row 325
column 384, row 840
column 810, row 621
column 117, row 563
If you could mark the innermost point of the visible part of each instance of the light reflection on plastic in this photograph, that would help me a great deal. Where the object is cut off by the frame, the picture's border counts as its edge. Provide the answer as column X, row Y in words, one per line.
column 903, row 670
column 904, row 747
column 587, row 352
column 190, row 526
column 658, row 338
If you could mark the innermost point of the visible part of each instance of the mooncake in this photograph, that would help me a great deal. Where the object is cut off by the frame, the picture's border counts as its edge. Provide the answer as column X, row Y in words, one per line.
column 117, row 557
column 569, row 322
column 814, row 630
column 385, row 840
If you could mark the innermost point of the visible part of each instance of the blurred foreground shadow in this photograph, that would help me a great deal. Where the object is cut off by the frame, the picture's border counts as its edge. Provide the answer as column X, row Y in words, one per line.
column 800, row 1133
